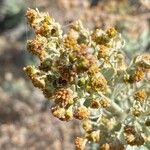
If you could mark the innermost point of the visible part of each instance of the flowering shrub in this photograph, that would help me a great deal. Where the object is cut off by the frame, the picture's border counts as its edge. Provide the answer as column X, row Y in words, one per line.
column 85, row 75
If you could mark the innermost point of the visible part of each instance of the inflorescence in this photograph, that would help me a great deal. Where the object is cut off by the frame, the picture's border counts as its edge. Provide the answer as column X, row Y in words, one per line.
column 85, row 75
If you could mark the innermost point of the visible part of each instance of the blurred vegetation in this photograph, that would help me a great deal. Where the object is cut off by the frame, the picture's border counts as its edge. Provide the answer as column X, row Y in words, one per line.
column 11, row 14
column 22, row 106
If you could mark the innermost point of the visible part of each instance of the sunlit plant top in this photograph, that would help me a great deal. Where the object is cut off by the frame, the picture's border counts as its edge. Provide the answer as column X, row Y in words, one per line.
column 85, row 75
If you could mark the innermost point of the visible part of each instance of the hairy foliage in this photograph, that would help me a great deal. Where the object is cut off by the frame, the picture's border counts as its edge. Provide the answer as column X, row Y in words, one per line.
column 85, row 75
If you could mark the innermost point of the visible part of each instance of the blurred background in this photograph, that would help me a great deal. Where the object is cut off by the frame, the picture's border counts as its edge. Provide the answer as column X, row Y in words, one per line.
column 25, row 118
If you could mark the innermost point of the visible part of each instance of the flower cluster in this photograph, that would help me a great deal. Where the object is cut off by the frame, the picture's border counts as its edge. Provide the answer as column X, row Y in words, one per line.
column 85, row 74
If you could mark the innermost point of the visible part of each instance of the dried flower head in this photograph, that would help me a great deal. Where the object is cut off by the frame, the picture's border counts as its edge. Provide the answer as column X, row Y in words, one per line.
column 59, row 112
column 37, row 46
column 111, row 32
column 98, row 83
column 80, row 143
column 103, row 52
column 140, row 95
column 137, row 75
column 132, row 137
column 63, row 96
column 95, row 103
column 104, row 103
column 81, row 113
